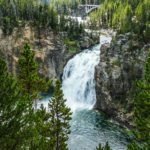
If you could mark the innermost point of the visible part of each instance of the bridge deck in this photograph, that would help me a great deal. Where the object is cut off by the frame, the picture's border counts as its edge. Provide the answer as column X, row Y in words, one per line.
column 88, row 5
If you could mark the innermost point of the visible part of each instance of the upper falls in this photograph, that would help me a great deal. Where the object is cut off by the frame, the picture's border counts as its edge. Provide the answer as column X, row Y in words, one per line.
column 78, row 77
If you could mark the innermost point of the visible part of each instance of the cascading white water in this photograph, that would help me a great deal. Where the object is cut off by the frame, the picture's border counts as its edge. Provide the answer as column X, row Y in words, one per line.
column 78, row 77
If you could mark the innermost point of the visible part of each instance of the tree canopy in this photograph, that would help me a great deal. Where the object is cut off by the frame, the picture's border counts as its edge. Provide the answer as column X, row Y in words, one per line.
column 125, row 16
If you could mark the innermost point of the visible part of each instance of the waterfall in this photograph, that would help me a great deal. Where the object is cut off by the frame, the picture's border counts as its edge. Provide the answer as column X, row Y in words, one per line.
column 78, row 77
column 88, row 127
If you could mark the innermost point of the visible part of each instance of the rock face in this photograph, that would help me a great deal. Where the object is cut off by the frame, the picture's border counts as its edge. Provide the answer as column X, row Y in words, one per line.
column 49, row 50
column 87, row 41
column 121, row 63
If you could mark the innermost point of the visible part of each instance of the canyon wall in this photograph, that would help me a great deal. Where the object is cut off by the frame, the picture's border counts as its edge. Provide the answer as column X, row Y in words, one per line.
column 121, row 64
column 49, row 49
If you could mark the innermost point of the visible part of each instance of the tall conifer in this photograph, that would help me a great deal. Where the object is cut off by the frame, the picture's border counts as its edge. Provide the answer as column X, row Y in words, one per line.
column 60, row 117
column 29, row 78
column 32, row 84
column 13, row 108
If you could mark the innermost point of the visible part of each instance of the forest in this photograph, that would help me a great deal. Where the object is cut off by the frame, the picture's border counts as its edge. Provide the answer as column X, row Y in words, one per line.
column 125, row 16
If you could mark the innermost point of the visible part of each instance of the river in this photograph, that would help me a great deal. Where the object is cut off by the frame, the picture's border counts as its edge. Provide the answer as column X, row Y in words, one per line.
column 88, row 126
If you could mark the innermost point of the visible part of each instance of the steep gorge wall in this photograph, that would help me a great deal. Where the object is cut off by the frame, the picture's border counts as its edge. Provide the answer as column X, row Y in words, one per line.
column 50, row 51
column 121, row 64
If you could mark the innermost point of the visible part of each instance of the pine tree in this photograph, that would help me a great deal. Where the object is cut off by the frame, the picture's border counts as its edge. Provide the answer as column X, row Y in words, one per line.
column 106, row 147
column 126, row 16
column 39, row 132
column 13, row 108
column 32, row 84
column 60, row 117
column 28, row 76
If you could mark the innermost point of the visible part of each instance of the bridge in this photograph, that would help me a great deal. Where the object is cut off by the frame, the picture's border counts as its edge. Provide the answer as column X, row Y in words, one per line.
column 89, row 7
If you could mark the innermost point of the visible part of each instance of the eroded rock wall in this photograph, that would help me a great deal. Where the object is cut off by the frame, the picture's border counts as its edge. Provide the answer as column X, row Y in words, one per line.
column 121, row 64
column 49, row 49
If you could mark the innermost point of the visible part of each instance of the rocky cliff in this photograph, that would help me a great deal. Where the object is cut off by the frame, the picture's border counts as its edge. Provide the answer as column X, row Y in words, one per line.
column 49, row 49
column 121, row 64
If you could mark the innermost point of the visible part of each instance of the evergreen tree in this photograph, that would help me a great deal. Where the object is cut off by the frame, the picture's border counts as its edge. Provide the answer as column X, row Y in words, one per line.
column 142, row 111
column 32, row 84
column 125, row 16
column 60, row 116
column 13, row 108
column 142, row 105
column 28, row 76
column 134, row 146
column 106, row 147
column 147, row 32
column 39, row 132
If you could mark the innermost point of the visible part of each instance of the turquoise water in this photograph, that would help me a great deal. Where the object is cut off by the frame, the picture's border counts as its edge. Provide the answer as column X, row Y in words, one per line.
column 89, row 128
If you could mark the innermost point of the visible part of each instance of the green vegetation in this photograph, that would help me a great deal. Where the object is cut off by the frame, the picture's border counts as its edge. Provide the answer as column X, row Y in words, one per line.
column 13, row 107
column 65, row 6
column 72, row 45
column 18, row 12
column 28, row 76
column 73, row 30
column 116, row 63
column 30, row 85
column 22, row 125
column 125, row 16
column 142, row 111
column 40, row 15
column 60, row 116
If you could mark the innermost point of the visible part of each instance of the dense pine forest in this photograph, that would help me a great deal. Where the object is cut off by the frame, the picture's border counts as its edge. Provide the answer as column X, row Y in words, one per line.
column 125, row 16
column 32, row 65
